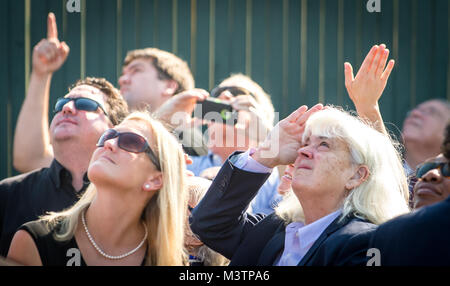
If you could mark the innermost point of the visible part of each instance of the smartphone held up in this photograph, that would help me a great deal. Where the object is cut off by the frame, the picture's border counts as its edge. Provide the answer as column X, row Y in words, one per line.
column 215, row 110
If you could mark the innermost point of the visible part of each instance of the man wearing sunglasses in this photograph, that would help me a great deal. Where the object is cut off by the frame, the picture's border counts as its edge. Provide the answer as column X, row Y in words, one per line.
column 92, row 106
column 421, row 237
column 433, row 176
column 254, row 120
column 149, row 78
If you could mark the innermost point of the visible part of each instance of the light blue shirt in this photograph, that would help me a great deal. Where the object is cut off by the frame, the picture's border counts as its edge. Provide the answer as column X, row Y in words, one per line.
column 299, row 237
column 408, row 170
column 266, row 199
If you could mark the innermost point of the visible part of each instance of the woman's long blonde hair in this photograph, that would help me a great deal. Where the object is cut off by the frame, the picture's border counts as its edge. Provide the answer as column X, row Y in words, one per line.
column 384, row 194
column 164, row 214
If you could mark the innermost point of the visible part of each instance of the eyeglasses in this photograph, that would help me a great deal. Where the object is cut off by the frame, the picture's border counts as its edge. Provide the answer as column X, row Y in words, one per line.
column 234, row 90
column 428, row 166
column 130, row 142
column 81, row 103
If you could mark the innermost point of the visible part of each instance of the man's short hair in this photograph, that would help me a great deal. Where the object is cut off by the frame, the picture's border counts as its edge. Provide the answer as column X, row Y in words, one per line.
column 168, row 65
column 116, row 106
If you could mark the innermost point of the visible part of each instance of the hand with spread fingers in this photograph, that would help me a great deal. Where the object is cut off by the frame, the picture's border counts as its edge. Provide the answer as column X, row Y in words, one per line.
column 367, row 87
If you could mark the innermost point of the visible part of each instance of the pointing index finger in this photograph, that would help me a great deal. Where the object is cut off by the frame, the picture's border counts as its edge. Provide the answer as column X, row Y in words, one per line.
column 52, row 30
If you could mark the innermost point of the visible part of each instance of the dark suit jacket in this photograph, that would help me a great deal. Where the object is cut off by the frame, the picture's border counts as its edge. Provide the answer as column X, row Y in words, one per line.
column 419, row 238
column 221, row 223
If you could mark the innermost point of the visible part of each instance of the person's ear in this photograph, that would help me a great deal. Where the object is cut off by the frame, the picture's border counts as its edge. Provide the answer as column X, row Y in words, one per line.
column 171, row 87
column 153, row 183
column 359, row 177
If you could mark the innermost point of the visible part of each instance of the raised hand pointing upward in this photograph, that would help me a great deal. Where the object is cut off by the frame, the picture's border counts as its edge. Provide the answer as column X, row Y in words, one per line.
column 32, row 124
column 49, row 54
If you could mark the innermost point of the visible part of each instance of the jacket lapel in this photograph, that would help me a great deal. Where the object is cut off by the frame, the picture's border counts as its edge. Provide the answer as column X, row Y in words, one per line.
column 273, row 248
column 335, row 225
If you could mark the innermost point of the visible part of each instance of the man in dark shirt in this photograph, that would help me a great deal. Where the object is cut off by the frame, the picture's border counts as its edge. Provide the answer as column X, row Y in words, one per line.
column 74, row 131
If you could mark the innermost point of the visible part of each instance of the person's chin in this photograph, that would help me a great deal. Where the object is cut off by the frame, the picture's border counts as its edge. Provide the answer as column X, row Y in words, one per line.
column 425, row 198
column 423, row 202
column 99, row 171
column 298, row 183
column 411, row 131
column 63, row 135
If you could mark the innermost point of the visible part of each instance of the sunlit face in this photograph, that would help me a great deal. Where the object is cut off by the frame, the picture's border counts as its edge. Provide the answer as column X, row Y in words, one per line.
column 84, row 126
column 433, row 187
column 426, row 123
column 322, row 168
column 140, row 85
column 122, row 169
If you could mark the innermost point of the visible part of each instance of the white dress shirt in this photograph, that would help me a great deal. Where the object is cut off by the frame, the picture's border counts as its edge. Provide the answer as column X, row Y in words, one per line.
column 299, row 237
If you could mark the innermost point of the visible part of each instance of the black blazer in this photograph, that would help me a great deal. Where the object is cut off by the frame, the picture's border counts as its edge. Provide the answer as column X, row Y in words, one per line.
column 221, row 222
column 420, row 238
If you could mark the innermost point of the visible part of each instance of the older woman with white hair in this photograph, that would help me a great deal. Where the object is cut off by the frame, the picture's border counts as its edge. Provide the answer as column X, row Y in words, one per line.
column 133, row 213
column 347, row 178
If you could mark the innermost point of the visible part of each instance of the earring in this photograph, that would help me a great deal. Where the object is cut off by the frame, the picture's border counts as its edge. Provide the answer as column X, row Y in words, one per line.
column 147, row 186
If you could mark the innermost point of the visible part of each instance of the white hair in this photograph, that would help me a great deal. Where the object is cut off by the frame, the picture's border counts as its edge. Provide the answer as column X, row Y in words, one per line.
column 384, row 194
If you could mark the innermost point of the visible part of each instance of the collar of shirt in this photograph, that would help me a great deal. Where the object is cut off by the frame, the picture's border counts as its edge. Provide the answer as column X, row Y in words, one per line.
column 308, row 234
column 300, row 237
column 200, row 163
column 62, row 177
column 408, row 170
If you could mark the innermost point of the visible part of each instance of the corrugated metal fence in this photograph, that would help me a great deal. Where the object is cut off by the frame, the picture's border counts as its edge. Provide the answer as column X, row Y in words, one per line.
column 295, row 49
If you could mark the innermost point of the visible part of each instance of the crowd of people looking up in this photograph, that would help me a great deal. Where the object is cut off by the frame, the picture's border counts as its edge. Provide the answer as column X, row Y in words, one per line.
column 126, row 176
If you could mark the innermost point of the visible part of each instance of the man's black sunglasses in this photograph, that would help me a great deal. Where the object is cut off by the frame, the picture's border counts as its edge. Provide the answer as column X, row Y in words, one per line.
column 426, row 167
column 81, row 103
column 130, row 142
column 234, row 90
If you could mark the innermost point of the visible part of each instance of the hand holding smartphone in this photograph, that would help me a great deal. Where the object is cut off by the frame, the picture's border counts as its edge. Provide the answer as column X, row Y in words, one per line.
column 215, row 110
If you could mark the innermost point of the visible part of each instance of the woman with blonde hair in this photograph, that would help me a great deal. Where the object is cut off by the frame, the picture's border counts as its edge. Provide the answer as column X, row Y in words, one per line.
column 346, row 178
column 132, row 214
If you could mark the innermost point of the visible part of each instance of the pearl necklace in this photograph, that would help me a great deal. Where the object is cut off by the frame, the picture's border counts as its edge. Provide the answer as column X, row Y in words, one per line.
column 101, row 251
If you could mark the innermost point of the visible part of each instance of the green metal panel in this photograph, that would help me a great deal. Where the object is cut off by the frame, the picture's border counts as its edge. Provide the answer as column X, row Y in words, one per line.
column 401, row 87
column 5, row 151
column 312, row 77
column 201, row 71
column 184, row 29
column 145, row 23
column 330, row 58
column 293, row 92
column 386, row 36
column 294, row 48
column 16, row 73
column 100, row 47
column 440, row 49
